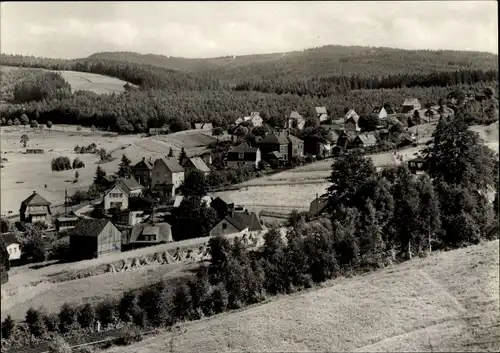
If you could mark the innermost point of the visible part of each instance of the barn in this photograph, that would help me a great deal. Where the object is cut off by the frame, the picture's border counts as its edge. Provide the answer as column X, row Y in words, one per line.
column 92, row 238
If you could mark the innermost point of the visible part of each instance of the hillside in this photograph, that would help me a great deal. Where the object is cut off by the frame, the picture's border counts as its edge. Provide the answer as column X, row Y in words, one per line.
column 327, row 60
column 447, row 302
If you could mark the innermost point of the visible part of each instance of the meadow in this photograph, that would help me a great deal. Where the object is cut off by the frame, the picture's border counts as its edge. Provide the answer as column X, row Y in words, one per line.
column 446, row 302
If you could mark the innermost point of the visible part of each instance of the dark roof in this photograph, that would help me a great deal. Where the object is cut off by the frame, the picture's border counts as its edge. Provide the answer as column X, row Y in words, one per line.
column 275, row 138
column 199, row 164
column 10, row 238
column 110, row 178
column 294, row 140
column 235, row 223
column 163, row 231
column 89, row 227
column 318, row 205
column 227, row 200
column 171, row 163
column 35, row 200
column 144, row 163
column 244, row 148
column 248, row 219
column 129, row 184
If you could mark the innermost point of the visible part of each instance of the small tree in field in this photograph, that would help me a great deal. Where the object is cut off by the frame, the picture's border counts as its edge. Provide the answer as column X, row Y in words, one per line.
column 24, row 140
column 78, row 128
column 49, row 125
column 34, row 125
column 9, row 122
column 17, row 122
column 77, row 175
column 24, row 120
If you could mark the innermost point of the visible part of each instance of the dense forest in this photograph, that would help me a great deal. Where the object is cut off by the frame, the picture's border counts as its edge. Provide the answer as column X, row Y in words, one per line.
column 324, row 61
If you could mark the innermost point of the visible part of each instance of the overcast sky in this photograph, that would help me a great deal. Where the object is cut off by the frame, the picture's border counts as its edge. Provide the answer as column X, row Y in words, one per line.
column 208, row 29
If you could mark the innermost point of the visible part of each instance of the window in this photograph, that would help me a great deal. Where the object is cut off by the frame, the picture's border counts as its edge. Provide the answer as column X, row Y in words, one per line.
column 241, row 155
column 224, row 226
column 419, row 165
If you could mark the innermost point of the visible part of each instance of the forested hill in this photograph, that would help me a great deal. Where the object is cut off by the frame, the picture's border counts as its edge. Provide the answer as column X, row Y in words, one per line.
column 323, row 61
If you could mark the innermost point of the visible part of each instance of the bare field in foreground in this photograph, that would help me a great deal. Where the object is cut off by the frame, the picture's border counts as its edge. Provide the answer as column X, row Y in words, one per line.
column 446, row 302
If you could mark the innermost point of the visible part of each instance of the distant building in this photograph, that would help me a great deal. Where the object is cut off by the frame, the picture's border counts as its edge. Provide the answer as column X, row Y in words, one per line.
column 116, row 198
column 92, row 238
column 130, row 186
column 65, row 222
column 380, row 113
column 256, row 119
column 167, row 175
column 346, row 137
column 35, row 151
column 365, row 140
column 351, row 121
column 222, row 205
column 316, row 145
column 194, row 163
column 203, row 126
column 319, row 113
column 410, row 105
column 13, row 246
column 351, row 114
column 240, row 223
column 281, row 141
column 146, row 234
column 318, row 206
column 143, row 171
column 35, row 209
column 243, row 155
column 295, row 120
column 159, row 130
column 417, row 165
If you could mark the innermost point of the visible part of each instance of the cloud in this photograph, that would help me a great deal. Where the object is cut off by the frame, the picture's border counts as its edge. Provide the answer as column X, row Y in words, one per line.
column 204, row 29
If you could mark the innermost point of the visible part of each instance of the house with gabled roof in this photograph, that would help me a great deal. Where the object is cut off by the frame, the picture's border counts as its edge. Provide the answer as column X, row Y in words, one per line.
column 130, row 186
column 256, row 119
column 167, row 175
column 35, row 209
column 223, row 205
column 351, row 114
column 410, row 105
column 243, row 155
column 237, row 223
column 319, row 113
column 116, row 198
column 346, row 137
column 318, row 206
column 194, row 163
column 13, row 246
column 146, row 234
column 295, row 120
column 351, row 120
column 92, row 238
column 364, row 140
column 283, row 142
column 143, row 170
column 379, row 112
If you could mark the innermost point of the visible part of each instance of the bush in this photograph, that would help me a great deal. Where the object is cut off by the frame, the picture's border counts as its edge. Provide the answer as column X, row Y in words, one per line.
column 86, row 316
column 8, row 326
column 128, row 304
column 77, row 164
column 130, row 336
column 35, row 321
column 107, row 312
column 61, row 163
column 219, row 299
column 67, row 318
column 183, row 304
column 59, row 345
column 52, row 322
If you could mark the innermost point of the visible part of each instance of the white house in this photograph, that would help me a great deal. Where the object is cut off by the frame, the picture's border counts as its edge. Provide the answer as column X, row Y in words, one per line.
column 380, row 112
column 410, row 105
column 166, row 172
column 319, row 113
column 296, row 120
column 13, row 246
column 130, row 186
column 116, row 198
column 256, row 119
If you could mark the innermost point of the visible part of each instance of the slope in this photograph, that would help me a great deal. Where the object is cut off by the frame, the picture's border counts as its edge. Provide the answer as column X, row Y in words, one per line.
column 449, row 301
column 327, row 60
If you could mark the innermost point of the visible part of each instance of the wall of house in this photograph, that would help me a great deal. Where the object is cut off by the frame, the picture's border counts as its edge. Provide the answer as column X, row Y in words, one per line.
column 160, row 175
column 40, row 218
column 14, row 251
column 229, row 229
column 143, row 177
column 257, row 121
column 108, row 199
column 109, row 240
column 296, row 150
column 177, row 179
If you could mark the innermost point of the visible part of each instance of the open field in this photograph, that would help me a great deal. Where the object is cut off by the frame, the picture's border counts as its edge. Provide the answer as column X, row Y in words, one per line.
column 82, row 81
column 489, row 134
column 446, row 302
column 91, row 289
column 34, row 170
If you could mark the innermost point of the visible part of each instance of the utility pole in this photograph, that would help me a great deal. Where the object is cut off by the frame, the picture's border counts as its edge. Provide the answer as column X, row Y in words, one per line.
column 317, row 206
column 66, row 200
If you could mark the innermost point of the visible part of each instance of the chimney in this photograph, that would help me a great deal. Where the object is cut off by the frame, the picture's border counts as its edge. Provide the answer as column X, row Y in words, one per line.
column 143, row 158
column 34, row 192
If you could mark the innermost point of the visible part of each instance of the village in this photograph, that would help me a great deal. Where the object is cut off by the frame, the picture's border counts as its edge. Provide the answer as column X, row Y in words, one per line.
column 137, row 209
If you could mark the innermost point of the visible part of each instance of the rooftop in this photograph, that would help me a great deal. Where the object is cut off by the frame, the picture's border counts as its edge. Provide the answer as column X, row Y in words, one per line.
column 35, row 200
column 89, row 227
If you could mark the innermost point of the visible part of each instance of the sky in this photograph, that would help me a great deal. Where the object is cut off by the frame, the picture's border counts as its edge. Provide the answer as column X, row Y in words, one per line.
column 198, row 29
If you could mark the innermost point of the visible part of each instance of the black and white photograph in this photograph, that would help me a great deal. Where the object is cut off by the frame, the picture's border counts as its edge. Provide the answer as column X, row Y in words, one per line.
column 249, row 176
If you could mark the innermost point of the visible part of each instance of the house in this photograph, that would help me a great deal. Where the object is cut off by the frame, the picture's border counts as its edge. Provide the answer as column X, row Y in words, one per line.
column 281, row 141
column 295, row 120
column 351, row 121
column 13, row 246
column 243, row 155
column 130, row 186
column 318, row 205
column 317, row 146
column 250, row 219
column 222, row 205
column 365, row 140
column 406, row 139
column 92, row 238
column 116, row 198
column 167, row 175
column 416, row 165
column 108, row 181
column 351, row 114
column 194, row 163
column 66, row 222
column 207, row 158
column 143, row 171
column 146, row 234
column 35, row 209
column 410, row 105
column 346, row 137
column 318, row 113
column 159, row 130
column 380, row 112
column 256, row 119
column 237, row 223
column 203, row 126
column 35, row 151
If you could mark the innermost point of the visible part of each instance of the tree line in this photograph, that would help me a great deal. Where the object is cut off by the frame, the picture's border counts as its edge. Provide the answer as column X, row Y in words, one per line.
column 135, row 111
column 328, row 85
column 373, row 218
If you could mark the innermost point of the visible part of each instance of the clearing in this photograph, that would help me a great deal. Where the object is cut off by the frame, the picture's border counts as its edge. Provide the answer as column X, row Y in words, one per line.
column 446, row 302
column 79, row 81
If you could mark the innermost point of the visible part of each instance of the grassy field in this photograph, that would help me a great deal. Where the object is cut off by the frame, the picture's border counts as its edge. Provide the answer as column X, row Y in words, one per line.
column 82, row 81
column 22, row 173
column 446, row 302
